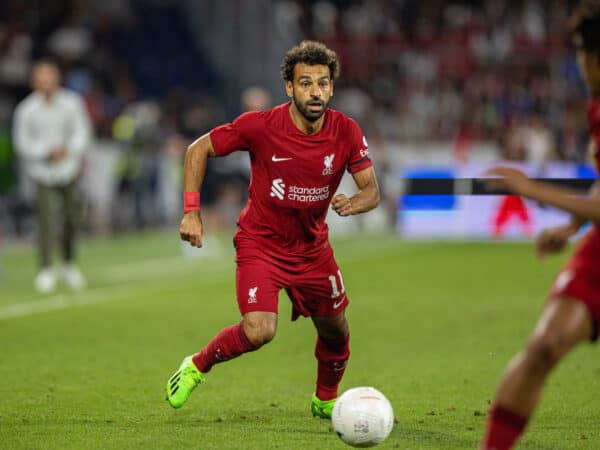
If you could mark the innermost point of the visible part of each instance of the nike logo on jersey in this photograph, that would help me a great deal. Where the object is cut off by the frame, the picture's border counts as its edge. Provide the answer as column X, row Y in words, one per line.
column 336, row 305
column 276, row 159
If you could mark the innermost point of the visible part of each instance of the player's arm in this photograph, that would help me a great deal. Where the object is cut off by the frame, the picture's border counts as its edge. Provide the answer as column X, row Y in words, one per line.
column 194, row 169
column 570, row 200
column 364, row 200
column 555, row 239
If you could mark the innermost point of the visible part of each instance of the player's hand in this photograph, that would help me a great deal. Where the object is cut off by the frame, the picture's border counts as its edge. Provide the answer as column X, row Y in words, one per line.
column 57, row 154
column 191, row 228
column 553, row 240
column 342, row 205
column 509, row 179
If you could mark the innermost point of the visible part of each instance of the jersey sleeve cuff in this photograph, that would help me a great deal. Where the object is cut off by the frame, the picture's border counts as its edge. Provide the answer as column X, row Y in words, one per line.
column 215, row 141
column 359, row 165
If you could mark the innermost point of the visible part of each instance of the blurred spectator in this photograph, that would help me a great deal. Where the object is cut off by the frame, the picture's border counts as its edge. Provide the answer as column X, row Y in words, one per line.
column 231, row 175
column 52, row 132
column 447, row 62
column 539, row 141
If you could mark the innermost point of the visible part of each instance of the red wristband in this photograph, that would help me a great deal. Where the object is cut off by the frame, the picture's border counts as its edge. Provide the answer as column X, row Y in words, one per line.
column 191, row 201
column 593, row 116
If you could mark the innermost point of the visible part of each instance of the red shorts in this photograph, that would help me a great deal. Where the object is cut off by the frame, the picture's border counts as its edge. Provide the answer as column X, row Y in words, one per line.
column 580, row 277
column 315, row 287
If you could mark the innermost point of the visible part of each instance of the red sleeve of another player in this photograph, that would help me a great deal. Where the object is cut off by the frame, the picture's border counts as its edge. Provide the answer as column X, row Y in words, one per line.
column 593, row 114
column 359, row 150
column 234, row 136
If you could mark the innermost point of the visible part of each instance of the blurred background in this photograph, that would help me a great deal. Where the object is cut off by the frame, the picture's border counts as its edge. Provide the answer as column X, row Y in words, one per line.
column 441, row 88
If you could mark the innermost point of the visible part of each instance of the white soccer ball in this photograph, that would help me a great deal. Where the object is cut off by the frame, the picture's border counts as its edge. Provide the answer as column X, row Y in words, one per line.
column 362, row 417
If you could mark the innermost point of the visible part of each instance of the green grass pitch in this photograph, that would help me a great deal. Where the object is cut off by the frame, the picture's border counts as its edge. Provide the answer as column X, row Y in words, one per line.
column 432, row 326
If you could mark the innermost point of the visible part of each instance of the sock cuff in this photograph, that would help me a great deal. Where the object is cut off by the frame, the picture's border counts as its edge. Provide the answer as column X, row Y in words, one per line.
column 243, row 339
column 504, row 415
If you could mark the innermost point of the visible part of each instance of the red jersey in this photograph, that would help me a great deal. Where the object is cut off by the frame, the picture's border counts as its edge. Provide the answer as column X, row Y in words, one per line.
column 294, row 175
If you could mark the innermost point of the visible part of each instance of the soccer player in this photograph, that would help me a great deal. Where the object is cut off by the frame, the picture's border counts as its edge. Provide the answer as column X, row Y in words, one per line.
column 298, row 152
column 573, row 310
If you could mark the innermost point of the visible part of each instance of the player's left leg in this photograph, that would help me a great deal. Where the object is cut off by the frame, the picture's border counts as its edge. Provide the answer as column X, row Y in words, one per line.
column 502, row 217
column 319, row 293
column 564, row 324
column 70, row 272
column 332, row 352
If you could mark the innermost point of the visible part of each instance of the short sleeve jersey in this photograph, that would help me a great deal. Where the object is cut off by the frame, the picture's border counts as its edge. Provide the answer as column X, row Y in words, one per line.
column 293, row 175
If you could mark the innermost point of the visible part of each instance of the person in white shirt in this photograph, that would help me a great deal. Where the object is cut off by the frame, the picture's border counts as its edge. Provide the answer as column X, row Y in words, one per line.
column 51, row 133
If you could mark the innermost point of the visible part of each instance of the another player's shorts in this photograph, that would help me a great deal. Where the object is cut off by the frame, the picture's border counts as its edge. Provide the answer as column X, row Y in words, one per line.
column 580, row 277
column 315, row 288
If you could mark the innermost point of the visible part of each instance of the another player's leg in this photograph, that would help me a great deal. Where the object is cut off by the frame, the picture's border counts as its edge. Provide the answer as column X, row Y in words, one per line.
column 70, row 272
column 524, row 217
column 45, row 281
column 502, row 217
column 563, row 325
column 332, row 352
column 256, row 329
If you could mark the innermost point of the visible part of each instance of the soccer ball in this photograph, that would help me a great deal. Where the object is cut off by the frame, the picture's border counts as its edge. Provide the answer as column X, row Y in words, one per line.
column 362, row 417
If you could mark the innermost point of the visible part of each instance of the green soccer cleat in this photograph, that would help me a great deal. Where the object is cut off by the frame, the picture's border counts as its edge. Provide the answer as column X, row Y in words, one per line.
column 322, row 408
column 183, row 382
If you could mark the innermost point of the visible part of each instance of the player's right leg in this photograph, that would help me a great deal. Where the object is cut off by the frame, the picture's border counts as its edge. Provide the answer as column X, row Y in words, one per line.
column 183, row 382
column 256, row 329
column 564, row 324
column 257, row 295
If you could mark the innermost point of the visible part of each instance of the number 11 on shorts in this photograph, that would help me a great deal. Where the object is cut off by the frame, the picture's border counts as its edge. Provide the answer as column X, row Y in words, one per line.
column 335, row 292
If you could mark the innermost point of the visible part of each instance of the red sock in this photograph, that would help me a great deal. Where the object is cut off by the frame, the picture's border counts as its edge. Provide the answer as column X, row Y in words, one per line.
column 230, row 343
column 503, row 430
column 332, row 357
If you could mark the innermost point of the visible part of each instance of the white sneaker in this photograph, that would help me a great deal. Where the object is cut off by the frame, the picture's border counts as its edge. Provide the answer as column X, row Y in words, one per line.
column 45, row 281
column 72, row 276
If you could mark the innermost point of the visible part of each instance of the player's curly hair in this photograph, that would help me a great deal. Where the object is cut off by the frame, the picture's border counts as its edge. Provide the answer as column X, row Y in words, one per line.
column 311, row 53
column 585, row 22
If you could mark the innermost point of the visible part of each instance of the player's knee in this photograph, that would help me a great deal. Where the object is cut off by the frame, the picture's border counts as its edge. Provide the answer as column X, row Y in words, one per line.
column 260, row 336
column 334, row 334
column 332, row 328
column 259, row 332
column 545, row 351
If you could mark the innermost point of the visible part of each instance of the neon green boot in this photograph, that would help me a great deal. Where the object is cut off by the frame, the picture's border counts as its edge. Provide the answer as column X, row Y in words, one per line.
column 183, row 383
column 321, row 408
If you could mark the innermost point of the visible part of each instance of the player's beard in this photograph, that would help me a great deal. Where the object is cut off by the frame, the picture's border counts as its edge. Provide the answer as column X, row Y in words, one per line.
column 304, row 108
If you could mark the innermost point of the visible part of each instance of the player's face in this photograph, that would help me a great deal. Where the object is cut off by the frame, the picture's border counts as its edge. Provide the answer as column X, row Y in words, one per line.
column 311, row 90
column 46, row 78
